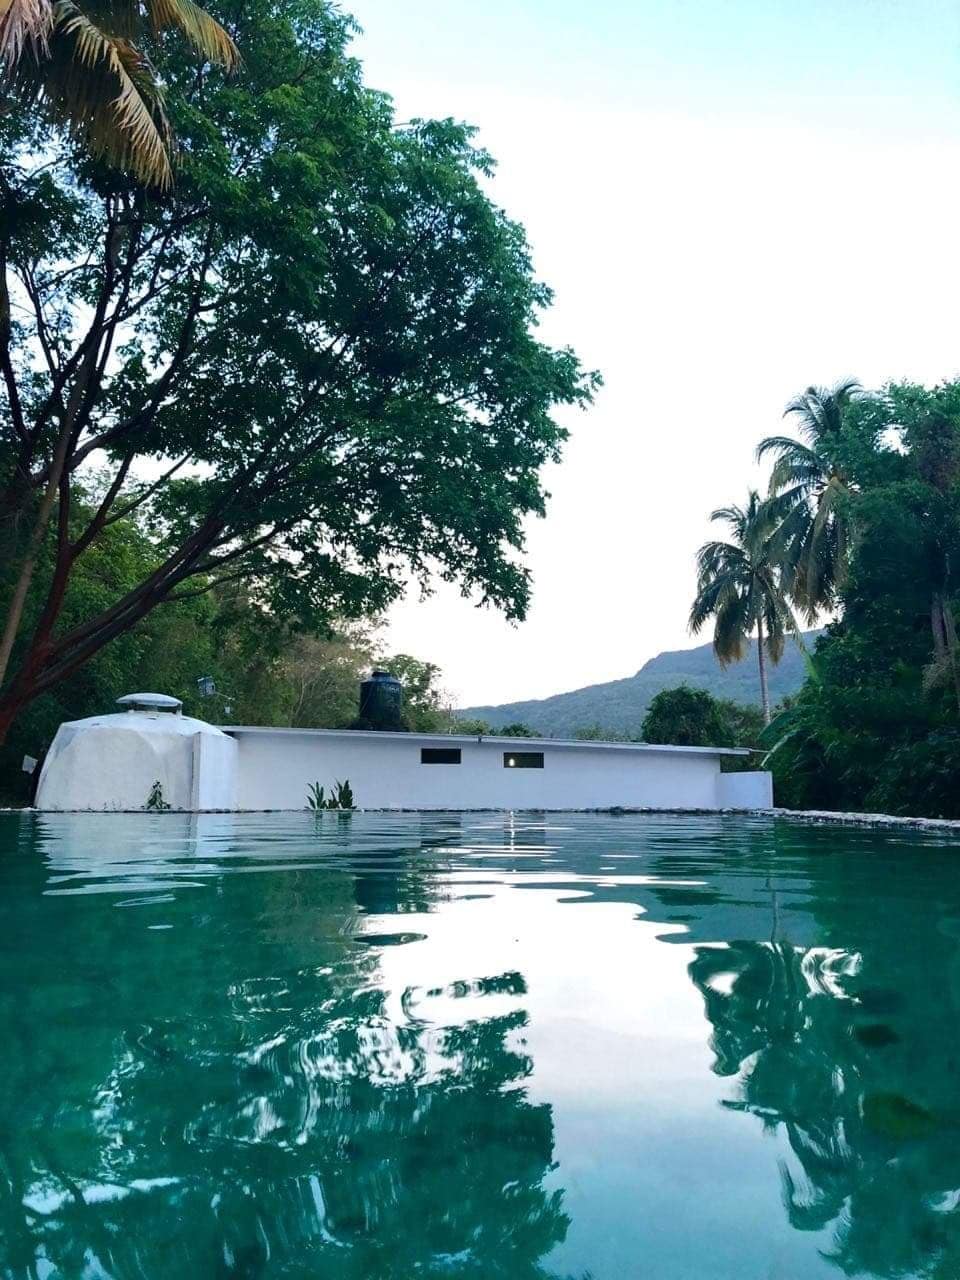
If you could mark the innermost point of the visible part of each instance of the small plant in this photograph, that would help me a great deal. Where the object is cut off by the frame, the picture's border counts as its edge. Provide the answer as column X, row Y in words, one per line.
column 340, row 797
column 155, row 801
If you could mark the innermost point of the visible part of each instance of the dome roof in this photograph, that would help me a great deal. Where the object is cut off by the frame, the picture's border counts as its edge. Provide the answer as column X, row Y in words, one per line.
column 149, row 702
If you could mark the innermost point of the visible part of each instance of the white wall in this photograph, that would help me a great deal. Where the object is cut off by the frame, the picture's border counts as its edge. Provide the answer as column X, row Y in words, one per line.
column 214, row 772
column 746, row 790
column 114, row 766
column 275, row 770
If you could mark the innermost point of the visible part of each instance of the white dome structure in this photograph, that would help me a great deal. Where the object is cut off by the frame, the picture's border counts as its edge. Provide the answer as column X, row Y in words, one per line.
column 149, row 756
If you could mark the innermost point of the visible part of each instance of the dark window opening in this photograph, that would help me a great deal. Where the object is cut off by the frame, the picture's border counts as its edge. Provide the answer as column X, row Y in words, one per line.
column 440, row 755
column 523, row 759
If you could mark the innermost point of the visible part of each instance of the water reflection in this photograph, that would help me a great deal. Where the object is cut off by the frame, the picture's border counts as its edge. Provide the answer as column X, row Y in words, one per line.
column 470, row 1046
column 244, row 1105
column 855, row 1055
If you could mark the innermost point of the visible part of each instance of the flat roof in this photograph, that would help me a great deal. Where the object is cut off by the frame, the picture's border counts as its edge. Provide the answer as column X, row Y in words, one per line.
column 495, row 739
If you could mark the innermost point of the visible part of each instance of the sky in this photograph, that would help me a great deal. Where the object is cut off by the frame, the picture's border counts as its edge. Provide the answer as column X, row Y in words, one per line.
column 732, row 199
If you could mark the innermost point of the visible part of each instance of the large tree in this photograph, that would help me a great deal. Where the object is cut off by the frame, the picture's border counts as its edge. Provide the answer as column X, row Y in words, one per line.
column 739, row 585
column 312, row 366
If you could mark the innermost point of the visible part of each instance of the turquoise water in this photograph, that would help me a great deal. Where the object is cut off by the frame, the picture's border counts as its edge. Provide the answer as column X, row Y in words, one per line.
column 473, row 1046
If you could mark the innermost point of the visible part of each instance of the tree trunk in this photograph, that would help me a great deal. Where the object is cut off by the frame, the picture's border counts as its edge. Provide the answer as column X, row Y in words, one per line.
column 28, row 564
column 762, row 662
column 945, row 638
column 8, row 712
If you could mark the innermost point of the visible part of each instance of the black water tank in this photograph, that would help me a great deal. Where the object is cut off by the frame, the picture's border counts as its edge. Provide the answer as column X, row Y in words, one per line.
column 381, row 699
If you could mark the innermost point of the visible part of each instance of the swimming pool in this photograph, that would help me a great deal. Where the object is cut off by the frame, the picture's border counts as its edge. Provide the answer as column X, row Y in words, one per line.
column 363, row 1046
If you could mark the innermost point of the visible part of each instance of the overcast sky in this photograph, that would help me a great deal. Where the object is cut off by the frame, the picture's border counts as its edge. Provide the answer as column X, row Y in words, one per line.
column 732, row 199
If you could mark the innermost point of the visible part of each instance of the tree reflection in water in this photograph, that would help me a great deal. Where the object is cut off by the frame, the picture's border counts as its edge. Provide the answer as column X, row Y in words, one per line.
column 245, row 1107
column 863, row 1081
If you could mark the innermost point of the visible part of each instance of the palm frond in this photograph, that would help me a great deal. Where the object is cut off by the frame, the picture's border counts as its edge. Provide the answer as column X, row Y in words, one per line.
column 784, row 505
column 809, row 538
column 717, row 586
column 794, row 463
column 24, row 24
column 779, row 620
column 103, row 88
column 744, row 582
column 781, row 445
column 734, row 622
column 735, row 517
column 819, row 410
column 203, row 32
column 705, row 604
column 847, row 389
column 85, row 64
column 719, row 558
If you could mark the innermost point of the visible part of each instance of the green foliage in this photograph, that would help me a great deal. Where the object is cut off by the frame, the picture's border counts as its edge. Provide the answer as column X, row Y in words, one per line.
column 468, row 725
column 876, row 726
column 598, row 733
column 692, row 718
column 517, row 731
column 323, row 673
column 426, row 707
column 685, row 717
column 742, row 724
column 340, row 797
column 155, row 801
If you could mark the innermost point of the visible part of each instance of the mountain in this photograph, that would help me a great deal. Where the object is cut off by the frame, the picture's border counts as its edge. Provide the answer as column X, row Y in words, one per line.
column 620, row 705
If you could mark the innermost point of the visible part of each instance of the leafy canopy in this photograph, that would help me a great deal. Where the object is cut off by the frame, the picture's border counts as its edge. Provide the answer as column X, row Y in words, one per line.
column 313, row 366
column 688, row 717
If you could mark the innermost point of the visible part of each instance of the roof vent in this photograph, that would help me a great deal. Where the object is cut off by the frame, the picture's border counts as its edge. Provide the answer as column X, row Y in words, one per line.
column 149, row 702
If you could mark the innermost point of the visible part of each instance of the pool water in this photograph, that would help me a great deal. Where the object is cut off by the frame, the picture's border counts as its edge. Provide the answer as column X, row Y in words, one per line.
column 395, row 1046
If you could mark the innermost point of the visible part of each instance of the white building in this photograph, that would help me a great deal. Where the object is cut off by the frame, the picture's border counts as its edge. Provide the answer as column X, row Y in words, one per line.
column 114, row 762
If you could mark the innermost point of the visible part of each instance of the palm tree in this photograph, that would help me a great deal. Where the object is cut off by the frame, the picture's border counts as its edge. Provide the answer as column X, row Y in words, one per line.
column 808, row 485
column 87, row 68
column 739, row 586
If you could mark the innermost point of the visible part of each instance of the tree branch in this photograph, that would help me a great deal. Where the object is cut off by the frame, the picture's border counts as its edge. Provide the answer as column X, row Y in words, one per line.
column 100, row 516
column 147, row 493
column 210, row 586
column 178, row 358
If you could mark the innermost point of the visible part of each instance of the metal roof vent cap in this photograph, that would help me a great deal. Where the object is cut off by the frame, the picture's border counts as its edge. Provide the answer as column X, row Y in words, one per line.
column 150, row 702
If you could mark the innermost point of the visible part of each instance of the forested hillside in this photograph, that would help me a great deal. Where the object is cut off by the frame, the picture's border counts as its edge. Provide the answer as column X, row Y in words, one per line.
column 620, row 705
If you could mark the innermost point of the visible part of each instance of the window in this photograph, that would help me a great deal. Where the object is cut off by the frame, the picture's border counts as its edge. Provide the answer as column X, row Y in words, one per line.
column 440, row 755
column 523, row 759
